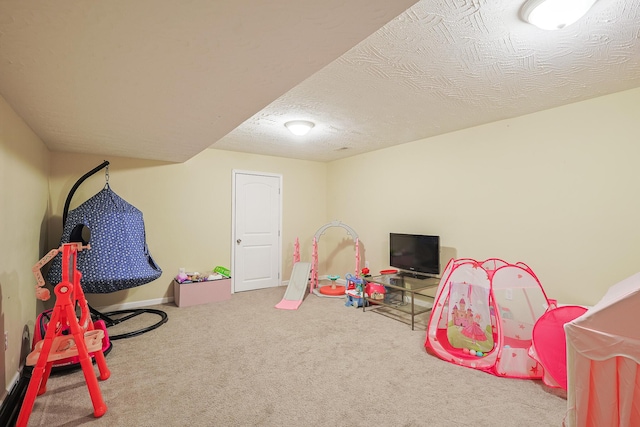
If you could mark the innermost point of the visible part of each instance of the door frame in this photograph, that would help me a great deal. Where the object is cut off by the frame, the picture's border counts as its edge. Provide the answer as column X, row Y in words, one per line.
column 234, row 173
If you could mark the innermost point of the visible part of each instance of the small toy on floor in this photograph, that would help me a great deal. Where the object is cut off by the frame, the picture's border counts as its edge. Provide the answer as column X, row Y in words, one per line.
column 355, row 291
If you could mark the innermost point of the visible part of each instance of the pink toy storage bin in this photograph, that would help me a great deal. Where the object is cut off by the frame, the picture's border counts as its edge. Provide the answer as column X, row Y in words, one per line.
column 195, row 293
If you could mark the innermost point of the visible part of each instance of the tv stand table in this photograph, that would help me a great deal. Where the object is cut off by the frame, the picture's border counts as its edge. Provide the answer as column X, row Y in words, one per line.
column 408, row 287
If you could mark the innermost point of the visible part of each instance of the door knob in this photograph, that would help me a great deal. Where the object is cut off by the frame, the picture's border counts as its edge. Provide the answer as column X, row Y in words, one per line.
column 239, row 241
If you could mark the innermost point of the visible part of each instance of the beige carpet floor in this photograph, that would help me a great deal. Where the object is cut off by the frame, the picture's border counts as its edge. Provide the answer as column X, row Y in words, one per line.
column 242, row 362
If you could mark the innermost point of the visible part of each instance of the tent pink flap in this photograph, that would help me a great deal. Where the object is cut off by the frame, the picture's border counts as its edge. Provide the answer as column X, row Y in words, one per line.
column 549, row 345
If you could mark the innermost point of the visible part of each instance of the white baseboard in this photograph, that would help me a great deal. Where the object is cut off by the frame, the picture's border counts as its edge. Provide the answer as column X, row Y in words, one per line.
column 135, row 304
column 12, row 384
column 421, row 302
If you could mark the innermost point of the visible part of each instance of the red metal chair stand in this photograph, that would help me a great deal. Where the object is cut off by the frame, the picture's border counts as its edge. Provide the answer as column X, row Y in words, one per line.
column 82, row 340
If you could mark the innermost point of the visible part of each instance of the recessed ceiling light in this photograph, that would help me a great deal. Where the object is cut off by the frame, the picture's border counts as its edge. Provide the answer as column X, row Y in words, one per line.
column 554, row 14
column 299, row 127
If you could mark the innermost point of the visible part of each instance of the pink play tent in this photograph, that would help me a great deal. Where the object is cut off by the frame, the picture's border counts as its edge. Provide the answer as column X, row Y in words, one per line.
column 483, row 317
column 603, row 355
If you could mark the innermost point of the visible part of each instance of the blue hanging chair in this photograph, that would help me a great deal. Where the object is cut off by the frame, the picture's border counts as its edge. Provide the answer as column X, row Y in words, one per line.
column 118, row 259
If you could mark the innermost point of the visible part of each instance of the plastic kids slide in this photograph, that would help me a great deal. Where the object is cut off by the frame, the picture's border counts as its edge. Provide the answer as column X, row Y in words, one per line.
column 297, row 286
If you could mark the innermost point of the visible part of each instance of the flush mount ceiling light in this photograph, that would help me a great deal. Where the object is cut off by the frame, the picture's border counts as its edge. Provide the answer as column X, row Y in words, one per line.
column 554, row 14
column 299, row 127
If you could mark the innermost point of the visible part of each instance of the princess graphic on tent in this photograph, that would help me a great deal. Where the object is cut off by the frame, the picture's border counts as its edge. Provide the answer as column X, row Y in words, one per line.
column 473, row 330
column 466, row 329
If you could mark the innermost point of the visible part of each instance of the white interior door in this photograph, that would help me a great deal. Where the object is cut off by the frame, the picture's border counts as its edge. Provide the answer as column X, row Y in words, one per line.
column 256, row 261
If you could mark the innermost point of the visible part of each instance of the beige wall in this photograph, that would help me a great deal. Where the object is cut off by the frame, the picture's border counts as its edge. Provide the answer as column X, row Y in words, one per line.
column 23, row 212
column 187, row 208
column 558, row 190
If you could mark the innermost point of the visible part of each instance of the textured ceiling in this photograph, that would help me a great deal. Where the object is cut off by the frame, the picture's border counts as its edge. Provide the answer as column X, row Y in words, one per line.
column 445, row 65
column 164, row 80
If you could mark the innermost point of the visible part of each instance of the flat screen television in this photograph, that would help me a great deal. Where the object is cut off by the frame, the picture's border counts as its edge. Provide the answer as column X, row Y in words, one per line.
column 416, row 254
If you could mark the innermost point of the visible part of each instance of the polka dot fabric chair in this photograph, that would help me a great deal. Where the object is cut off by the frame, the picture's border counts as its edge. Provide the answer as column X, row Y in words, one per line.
column 119, row 257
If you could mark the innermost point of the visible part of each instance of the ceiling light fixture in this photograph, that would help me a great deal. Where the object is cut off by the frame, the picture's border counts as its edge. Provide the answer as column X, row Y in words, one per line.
column 554, row 14
column 299, row 127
